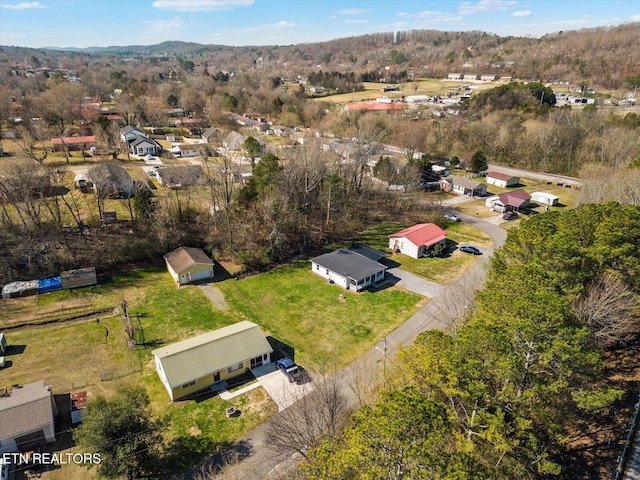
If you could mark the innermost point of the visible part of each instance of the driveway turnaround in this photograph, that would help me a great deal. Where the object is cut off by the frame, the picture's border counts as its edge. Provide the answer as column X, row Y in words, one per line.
column 278, row 386
column 414, row 283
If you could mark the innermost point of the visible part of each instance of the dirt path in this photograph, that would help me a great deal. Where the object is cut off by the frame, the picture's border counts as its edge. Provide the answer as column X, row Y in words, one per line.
column 215, row 295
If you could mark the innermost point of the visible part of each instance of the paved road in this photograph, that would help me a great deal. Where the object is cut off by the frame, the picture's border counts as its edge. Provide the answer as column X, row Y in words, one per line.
column 262, row 463
column 543, row 177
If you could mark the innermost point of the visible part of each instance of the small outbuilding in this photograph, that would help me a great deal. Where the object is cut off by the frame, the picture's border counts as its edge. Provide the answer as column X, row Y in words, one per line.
column 502, row 180
column 188, row 265
column 201, row 362
column 20, row 289
column 77, row 404
column 544, row 198
column 80, row 277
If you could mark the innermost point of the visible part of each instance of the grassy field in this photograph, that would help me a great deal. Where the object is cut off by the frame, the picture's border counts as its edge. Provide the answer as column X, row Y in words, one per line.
column 426, row 86
column 301, row 309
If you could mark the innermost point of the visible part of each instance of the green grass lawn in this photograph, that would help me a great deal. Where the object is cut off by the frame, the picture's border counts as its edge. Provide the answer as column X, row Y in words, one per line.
column 302, row 310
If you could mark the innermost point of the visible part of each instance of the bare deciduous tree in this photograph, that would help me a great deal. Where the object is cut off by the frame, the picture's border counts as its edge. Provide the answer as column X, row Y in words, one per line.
column 310, row 418
column 610, row 310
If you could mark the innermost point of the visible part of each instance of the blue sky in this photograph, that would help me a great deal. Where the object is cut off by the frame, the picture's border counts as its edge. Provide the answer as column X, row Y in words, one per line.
column 84, row 23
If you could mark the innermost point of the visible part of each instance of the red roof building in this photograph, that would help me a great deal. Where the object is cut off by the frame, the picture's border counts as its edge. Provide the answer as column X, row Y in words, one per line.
column 73, row 143
column 515, row 199
column 373, row 107
column 417, row 241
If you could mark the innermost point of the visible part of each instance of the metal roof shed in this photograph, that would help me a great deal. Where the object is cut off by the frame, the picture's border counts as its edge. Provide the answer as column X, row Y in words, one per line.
column 81, row 277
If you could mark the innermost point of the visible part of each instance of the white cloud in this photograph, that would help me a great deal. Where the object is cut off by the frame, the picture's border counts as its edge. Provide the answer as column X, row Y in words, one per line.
column 402, row 14
column 424, row 19
column 354, row 11
column 483, row 6
column 23, row 6
column 635, row 18
column 357, row 20
column 200, row 5
column 522, row 13
column 162, row 26
column 257, row 28
column 332, row 17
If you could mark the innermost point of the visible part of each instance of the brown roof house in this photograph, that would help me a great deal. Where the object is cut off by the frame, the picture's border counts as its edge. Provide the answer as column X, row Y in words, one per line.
column 502, row 180
column 508, row 201
column 207, row 361
column 188, row 265
column 27, row 417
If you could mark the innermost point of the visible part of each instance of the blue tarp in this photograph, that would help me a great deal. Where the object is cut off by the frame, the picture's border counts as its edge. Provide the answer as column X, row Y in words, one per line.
column 49, row 284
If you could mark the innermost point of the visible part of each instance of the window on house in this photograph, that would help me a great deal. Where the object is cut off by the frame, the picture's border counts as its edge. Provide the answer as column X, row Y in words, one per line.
column 235, row 367
column 190, row 384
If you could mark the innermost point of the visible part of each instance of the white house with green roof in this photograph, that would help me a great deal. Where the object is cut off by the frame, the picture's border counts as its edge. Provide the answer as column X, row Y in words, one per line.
column 197, row 363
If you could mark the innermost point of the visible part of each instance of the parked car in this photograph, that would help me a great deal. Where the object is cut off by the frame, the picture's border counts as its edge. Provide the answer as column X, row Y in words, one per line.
column 452, row 217
column 290, row 369
column 510, row 216
column 470, row 249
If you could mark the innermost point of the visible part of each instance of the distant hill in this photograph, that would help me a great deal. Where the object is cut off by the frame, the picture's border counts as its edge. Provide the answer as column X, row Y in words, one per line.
column 600, row 56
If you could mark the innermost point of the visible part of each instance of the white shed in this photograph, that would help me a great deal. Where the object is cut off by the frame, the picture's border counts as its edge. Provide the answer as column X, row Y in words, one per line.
column 544, row 198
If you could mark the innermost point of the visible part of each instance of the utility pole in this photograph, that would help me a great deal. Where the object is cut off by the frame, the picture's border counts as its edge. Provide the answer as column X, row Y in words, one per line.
column 383, row 349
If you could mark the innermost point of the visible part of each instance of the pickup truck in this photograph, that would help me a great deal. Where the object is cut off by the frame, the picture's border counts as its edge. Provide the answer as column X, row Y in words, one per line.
column 290, row 369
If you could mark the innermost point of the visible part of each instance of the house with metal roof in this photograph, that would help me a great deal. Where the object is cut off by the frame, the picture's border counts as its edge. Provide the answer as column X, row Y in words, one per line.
column 349, row 269
column 27, row 417
column 203, row 361
column 417, row 241
column 502, row 179
column 463, row 186
column 188, row 265
column 508, row 201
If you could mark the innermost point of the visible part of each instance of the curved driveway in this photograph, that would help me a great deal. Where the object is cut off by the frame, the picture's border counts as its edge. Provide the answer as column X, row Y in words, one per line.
column 261, row 462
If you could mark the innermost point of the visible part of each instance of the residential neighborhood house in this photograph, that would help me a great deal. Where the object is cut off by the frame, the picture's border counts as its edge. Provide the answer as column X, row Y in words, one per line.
column 187, row 265
column 349, row 269
column 73, row 143
column 138, row 141
column 27, row 417
column 417, row 241
column 212, row 135
column 196, row 364
column 502, row 180
column 463, row 186
column 508, row 201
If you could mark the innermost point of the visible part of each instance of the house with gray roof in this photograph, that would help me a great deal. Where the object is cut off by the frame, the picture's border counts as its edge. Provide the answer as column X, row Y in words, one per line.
column 27, row 417
column 210, row 359
column 349, row 269
column 463, row 186
column 144, row 146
